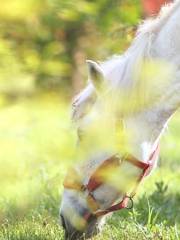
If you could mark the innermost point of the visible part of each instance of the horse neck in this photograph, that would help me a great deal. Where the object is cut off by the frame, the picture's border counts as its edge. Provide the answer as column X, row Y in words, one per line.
column 146, row 129
column 165, row 47
column 149, row 125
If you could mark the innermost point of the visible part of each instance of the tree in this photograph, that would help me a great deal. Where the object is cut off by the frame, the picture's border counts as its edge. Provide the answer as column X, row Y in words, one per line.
column 48, row 41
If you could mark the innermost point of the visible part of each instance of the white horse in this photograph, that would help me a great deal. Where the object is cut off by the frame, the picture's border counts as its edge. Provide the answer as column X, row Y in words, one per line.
column 137, row 93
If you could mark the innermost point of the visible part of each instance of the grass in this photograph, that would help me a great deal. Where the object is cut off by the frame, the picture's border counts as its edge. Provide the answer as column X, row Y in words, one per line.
column 37, row 145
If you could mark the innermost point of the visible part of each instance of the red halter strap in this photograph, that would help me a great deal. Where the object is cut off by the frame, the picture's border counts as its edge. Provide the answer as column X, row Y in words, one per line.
column 74, row 182
column 96, row 179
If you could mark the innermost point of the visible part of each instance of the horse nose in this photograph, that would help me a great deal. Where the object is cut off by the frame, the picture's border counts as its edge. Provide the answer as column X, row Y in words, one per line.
column 70, row 232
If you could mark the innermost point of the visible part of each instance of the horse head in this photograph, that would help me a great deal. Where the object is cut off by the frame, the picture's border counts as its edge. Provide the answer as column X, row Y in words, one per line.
column 120, row 117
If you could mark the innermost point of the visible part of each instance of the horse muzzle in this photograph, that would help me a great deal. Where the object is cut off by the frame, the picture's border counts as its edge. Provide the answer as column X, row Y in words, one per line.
column 71, row 233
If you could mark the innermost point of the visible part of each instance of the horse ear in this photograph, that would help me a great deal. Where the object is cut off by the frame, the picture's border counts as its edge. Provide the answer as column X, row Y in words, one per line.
column 96, row 75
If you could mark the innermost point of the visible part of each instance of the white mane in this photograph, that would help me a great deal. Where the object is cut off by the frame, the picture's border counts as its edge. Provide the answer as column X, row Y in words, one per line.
column 154, row 25
column 118, row 69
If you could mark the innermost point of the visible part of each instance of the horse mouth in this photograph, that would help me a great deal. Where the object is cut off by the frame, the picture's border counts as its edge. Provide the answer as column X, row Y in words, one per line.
column 74, row 234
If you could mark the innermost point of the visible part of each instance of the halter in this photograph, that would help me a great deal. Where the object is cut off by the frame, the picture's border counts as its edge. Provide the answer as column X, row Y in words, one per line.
column 73, row 182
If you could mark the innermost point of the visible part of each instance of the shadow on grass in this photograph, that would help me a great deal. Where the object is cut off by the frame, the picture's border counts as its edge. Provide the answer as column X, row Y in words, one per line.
column 159, row 207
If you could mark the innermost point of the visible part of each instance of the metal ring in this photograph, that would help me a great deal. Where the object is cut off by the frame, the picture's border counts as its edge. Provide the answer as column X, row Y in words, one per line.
column 132, row 203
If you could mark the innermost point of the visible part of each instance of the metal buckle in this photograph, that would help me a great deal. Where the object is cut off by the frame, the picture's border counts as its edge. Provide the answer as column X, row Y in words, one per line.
column 83, row 188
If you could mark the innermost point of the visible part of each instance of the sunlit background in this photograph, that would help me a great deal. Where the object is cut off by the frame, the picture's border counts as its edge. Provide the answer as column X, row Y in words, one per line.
column 43, row 48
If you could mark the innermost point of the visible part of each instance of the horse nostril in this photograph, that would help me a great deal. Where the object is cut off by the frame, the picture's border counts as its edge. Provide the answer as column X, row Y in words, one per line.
column 64, row 226
column 63, row 222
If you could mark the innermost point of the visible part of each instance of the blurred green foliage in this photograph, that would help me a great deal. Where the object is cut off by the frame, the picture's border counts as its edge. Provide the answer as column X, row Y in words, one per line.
column 44, row 44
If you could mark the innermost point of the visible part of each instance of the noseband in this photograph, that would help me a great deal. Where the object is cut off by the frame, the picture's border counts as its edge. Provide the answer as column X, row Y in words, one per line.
column 73, row 182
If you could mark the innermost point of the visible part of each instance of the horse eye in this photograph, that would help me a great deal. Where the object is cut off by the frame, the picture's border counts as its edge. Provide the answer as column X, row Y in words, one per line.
column 80, row 134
